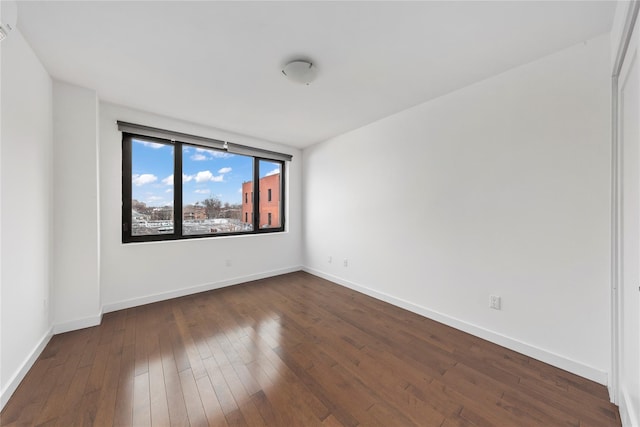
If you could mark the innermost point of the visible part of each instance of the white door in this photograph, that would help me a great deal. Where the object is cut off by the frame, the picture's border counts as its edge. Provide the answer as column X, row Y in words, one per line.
column 629, row 256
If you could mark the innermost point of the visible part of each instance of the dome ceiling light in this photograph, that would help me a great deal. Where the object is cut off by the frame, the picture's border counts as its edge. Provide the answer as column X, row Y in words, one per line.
column 300, row 71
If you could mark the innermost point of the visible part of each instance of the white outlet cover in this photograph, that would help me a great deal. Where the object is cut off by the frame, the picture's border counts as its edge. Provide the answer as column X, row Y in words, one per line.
column 495, row 302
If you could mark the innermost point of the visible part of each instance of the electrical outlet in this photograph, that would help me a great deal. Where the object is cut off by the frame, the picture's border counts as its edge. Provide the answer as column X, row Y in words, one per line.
column 228, row 263
column 329, row 259
column 346, row 262
column 495, row 302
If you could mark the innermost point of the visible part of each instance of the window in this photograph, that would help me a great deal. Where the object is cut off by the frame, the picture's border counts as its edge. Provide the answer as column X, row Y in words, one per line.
column 176, row 189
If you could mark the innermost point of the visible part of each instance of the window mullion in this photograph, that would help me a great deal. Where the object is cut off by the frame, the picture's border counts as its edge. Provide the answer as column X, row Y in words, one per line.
column 127, row 219
column 256, row 195
column 282, row 196
column 177, row 190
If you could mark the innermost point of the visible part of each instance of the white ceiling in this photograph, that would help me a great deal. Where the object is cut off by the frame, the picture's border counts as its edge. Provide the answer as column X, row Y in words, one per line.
column 218, row 63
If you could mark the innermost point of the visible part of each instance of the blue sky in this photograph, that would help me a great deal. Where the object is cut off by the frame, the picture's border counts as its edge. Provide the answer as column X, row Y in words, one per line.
column 206, row 173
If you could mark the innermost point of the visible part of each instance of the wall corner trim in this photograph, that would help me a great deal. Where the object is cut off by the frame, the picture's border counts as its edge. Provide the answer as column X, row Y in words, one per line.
column 543, row 355
column 19, row 375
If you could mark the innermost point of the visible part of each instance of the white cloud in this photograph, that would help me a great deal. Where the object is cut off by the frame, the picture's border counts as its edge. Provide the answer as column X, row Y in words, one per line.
column 204, row 176
column 185, row 178
column 145, row 178
column 273, row 172
column 203, row 191
column 169, row 190
column 207, row 154
column 224, row 170
column 157, row 201
column 151, row 144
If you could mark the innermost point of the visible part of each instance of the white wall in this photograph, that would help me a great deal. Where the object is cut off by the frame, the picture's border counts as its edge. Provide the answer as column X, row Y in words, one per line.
column 501, row 188
column 76, row 287
column 27, row 210
column 137, row 273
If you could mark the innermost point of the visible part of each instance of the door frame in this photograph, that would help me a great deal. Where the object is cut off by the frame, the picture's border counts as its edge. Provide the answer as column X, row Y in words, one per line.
column 616, row 201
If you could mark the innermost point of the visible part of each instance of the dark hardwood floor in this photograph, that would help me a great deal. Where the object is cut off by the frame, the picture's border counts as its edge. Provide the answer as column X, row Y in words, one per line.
column 292, row 350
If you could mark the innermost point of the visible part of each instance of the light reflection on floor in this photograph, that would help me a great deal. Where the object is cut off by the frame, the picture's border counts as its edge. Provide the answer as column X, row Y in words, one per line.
column 225, row 369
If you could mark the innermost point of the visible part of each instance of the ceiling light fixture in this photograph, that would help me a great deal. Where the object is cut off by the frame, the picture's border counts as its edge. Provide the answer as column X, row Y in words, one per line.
column 9, row 18
column 300, row 71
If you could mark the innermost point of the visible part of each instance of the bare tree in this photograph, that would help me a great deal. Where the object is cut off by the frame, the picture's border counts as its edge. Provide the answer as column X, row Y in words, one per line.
column 212, row 207
column 140, row 207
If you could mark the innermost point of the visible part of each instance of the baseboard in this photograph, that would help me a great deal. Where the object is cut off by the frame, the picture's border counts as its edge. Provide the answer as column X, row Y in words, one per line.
column 551, row 358
column 19, row 375
column 76, row 324
column 134, row 302
column 627, row 414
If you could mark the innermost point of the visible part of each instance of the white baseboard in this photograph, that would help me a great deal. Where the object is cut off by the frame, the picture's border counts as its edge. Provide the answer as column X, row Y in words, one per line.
column 76, row 324
column 134, row 302
column 546, row 356
column 19, row 375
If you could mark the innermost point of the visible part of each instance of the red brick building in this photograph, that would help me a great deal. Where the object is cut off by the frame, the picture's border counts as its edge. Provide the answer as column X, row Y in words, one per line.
column 191, row 212
column 269, row 201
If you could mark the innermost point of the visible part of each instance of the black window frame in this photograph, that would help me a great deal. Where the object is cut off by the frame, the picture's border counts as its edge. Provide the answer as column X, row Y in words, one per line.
column 178, row 214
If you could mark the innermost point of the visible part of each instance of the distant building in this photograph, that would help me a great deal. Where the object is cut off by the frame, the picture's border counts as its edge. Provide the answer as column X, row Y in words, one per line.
column 194, row 213
column 138, row 216
column 164, row 213
column 269, row 201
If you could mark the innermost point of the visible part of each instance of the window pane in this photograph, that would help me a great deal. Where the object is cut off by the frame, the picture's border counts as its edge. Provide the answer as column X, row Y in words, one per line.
column 270, row 176
column 151, row 188
column 213, row 191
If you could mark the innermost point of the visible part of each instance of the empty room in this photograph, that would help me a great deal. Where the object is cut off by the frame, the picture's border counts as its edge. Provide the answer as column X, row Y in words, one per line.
column 319, row 213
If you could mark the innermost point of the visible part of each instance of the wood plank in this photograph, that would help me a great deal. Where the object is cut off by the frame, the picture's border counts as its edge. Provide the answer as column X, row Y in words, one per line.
column 173, row 387
column 105, row 413
column 123, row 412
column 157, row 388
column 195, row 410
column 213, row 410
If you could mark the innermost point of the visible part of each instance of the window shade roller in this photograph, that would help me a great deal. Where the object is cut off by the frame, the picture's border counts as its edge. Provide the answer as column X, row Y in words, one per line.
column 257, row 152
column 202, row 141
